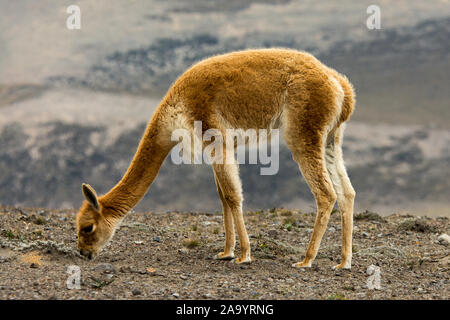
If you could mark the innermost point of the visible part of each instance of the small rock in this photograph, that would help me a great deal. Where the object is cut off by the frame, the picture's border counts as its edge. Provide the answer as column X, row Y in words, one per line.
column 138, row 242
column 298, row 224
column 34, row 265
column 444, row 262
column 444, row 239
column 289, row 280
column 272, row 233
column 175, row 294
column 136, row 292
column 332, row 229
column 254, row 293
column 105, row 268
column 157, row 239
column 365, row 234
column 183, row 277
column 125, row 269
column 109, row 276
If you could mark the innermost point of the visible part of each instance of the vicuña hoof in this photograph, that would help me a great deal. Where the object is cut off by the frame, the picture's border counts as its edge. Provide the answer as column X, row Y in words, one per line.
column 343, row 266
column 302, row 264
column 242, row 260
column 224, row 256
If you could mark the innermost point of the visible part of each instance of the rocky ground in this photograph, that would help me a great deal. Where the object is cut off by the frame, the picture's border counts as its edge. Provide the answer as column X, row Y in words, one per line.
column 171, row 256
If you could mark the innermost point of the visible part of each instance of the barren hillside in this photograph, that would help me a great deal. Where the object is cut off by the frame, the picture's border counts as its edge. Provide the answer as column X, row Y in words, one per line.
column 170, row 256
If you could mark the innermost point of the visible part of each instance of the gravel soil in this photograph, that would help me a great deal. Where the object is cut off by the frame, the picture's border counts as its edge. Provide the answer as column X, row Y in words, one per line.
column 171, row 256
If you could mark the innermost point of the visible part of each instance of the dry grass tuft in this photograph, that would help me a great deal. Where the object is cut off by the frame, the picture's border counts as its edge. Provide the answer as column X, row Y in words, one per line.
column 191, row 243
column 32, row 258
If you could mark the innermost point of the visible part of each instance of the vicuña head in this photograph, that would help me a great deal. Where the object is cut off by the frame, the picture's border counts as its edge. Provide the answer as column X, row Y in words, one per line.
column 257, row 89
column 95, row 225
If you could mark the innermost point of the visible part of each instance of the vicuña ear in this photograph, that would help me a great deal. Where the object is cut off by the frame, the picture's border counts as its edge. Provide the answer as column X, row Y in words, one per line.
column 91, row 196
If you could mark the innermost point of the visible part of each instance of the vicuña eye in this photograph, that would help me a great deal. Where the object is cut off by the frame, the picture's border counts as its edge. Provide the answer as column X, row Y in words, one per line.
column 88, row 228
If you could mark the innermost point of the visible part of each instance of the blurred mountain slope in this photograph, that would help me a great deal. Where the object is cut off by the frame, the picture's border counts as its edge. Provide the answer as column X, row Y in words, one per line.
column 73, row 106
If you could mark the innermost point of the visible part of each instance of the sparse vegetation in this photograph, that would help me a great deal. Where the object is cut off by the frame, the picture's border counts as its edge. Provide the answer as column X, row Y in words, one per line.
column 286, row 213
column 370, row 216
column 9, row 234
column 191, row 243
column 40, row 220
column 99, row 283
column 416, row 225
column 349, row 288
column 337, row 296
column 32, row 258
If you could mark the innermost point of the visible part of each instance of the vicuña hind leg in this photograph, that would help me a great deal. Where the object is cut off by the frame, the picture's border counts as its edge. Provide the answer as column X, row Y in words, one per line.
column 228, row 178
column 230, row 238
column 345, row 193
column 309, row 155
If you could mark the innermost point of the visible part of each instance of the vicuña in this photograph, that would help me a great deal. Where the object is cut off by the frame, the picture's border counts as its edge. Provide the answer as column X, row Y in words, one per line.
column 259, row 89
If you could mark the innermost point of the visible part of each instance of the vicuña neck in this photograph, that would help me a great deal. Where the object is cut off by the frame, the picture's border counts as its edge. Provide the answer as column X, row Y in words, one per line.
column 143, row 169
